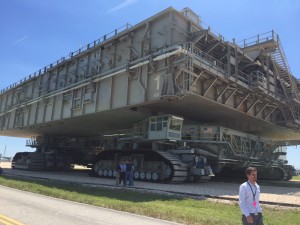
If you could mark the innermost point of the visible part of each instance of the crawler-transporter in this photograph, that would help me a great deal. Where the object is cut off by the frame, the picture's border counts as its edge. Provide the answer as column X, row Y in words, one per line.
column 180, row 101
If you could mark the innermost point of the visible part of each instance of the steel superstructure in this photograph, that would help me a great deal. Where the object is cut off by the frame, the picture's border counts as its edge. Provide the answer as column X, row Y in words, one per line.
column 166, row 64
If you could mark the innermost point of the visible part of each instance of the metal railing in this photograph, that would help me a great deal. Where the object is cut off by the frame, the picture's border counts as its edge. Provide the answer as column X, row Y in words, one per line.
column 278, row 56
column 244, row 77
column 218, row 65
column 71, row 55
column 239, row 145
column 209, row 60
column 202, row 136
column 260, row 38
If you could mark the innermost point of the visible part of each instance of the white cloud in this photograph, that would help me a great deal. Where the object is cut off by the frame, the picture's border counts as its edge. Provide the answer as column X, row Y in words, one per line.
column 19, row 40
column 122, row 5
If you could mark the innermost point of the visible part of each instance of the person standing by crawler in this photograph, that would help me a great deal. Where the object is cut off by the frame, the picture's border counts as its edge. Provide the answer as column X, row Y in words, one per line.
column 118, row 171
column 249, row 194
column 129, row 173
column 123, row 173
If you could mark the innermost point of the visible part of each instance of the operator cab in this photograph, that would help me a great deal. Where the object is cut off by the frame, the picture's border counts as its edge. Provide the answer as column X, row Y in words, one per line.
column 166, row 127
column 149, row 132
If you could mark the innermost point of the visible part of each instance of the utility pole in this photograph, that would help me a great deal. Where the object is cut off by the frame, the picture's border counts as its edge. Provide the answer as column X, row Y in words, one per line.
column 4, row 151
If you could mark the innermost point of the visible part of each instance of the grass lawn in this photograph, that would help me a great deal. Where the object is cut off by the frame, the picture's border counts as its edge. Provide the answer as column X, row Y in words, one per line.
column 296, row 178
column 178, row 209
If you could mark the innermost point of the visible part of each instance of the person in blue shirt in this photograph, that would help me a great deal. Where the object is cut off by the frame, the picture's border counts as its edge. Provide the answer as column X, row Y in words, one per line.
column 129, row 172
column 249, row 199
column 123, row 173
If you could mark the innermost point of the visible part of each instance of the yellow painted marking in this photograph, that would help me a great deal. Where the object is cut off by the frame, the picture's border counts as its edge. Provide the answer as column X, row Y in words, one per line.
column 8, row 221
column 5, row 222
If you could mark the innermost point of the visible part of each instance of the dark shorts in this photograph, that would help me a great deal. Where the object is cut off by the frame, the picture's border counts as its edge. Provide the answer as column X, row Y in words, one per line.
column 257, row 219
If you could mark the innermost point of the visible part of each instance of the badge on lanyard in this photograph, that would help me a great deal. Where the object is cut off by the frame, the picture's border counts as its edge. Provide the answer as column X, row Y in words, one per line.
column 253, row 193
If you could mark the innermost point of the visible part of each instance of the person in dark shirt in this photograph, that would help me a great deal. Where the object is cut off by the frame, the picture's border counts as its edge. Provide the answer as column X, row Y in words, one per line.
column 123, row 173
column 129, row 172
column 118, row 171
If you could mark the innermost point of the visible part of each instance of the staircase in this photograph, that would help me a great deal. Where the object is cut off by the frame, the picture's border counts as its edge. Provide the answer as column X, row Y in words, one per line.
column 270, row 42
column 284, row 72
column 288, row 114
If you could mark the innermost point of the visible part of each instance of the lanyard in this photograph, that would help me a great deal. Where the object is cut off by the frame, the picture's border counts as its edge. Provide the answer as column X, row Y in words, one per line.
column 252, row 191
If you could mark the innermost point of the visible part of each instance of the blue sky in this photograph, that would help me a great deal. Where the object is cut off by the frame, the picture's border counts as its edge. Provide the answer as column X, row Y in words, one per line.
column 35, row 33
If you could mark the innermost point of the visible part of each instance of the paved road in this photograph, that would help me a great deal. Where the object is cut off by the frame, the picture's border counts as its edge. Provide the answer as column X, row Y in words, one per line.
column 33, row 209
column 278, row 194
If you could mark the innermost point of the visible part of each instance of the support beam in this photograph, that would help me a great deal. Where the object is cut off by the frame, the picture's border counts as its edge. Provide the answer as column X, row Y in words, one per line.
column 236, row 66
column 177, row 73
column 269, row 113
column 28, row 115
column 253, row 105
column 223, row 56
column 262, row 108
column 243, row 100
column 222, row 92
column 199, row 36
column 53, row 108
column 209, row 86
column 232, row 93
column 190, row 72
column 228, row 61
column 198, row 76
column 268, row 74
column 8, row 120
column 212, row 46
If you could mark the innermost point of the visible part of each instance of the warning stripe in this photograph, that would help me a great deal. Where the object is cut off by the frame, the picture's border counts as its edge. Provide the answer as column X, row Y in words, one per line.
column 5, row 222
column 8, row 221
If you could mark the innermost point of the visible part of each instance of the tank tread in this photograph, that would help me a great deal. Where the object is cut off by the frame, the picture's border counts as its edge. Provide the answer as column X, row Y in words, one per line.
column 37, row 161
column 28, row 161
column 288, row 173
column 276, row 173
column 180, row 169
column 173, row 169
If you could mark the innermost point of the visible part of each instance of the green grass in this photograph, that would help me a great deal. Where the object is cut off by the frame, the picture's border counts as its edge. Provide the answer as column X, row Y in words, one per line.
column 182, row 210
column 296, row 178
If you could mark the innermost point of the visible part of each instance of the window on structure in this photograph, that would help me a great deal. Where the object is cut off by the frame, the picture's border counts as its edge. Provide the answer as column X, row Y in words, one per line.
column 175, row 124
column 153, row 124
column 165, row 121
column 159, row 124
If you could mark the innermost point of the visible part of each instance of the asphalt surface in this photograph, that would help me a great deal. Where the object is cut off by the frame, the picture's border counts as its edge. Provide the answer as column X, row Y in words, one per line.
column 269, row 193
column 20, row 207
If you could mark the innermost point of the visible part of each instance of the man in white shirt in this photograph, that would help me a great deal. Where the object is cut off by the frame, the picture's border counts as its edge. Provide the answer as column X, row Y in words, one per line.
column 249, row 199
